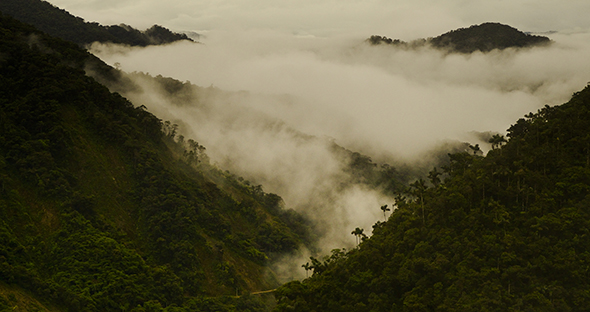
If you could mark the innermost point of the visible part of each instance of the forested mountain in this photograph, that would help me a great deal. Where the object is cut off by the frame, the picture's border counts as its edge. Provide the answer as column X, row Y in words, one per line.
column 506, row 232
column 484, row 38
column 104, row 208
column 59, row 23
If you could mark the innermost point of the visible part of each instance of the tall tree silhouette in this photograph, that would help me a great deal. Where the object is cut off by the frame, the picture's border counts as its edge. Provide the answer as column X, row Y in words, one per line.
column 419, row 188
column 358, row 232
column 307, row 267
column 384, row 208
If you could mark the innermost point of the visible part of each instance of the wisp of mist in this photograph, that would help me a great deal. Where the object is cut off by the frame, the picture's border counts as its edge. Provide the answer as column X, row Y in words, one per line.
column 292, row 96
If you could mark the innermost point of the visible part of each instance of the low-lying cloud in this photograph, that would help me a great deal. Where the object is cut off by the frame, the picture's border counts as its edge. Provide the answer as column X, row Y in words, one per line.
column 377, row 99
column 293, row 95
column 305, row 170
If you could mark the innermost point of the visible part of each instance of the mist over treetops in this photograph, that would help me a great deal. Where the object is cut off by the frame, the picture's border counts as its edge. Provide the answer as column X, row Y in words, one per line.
column 127, row 191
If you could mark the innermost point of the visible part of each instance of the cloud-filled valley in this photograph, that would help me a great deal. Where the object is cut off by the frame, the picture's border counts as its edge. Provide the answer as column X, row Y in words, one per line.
column 280, row 83
column 368, row 97
column 290, row 97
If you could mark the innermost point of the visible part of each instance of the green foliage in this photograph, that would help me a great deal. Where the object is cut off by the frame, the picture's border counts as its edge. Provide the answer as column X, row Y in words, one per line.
column 100, row 210
column 505, row 232
column 101, row 272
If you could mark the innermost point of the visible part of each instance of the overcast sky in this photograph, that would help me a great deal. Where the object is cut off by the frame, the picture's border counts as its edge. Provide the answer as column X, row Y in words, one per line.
column 405, row 19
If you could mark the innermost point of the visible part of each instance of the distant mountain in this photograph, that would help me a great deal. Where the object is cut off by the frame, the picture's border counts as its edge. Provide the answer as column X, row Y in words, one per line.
column 484, row 38
column 105, row 207
column 59, row 23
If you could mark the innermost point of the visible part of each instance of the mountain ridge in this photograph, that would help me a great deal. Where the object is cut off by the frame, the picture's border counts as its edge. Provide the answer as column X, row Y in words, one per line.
column 102, row 208
column 483, row 38
column 60, row 23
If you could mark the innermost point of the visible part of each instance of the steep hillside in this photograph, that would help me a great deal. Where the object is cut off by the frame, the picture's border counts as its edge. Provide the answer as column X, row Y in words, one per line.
column 505, row 232
column 358, row 168
column 101, row 209
column 57, row 22
column 484, row 38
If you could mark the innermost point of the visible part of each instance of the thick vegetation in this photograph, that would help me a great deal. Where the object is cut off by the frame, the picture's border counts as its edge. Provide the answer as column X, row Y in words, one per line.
column 59, row 23
column 484, row 38
column 102, row 208
column 505, row 232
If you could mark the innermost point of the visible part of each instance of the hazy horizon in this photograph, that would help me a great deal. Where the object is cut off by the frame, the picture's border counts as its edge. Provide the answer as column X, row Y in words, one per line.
column 402, row 19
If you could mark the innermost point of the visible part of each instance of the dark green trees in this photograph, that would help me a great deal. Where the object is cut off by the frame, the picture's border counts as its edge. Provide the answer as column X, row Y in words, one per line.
column 497, row 140
column 483, row 38
column 486, row 37
column 99, row 208
column 505, row 232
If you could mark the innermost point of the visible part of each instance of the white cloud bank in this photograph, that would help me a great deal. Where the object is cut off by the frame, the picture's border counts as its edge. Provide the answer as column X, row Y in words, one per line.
column 380, row 100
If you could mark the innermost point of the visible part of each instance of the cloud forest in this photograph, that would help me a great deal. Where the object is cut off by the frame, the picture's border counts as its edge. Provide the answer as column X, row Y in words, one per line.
column 318, row 156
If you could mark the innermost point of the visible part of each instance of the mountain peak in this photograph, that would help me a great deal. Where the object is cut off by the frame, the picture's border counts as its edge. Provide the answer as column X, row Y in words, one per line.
column 484, row 38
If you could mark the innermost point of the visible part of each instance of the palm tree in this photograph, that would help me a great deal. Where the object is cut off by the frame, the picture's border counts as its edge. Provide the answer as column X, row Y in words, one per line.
column 384, row 208
column 420, row 187
column 358, row 232
column 434, row 176
column 307, row 267
column 475, row 148
column 497, row 140
column 400, row 200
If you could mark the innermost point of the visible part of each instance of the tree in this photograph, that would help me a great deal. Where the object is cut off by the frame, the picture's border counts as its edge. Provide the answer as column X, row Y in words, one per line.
column 475, row 148
column 419, row 188
column 519, row 245
column 400, row 200
column 195, row 152
column 384, row 208
column 497, row 140
column 307, row 267
column 434, row 177
column 358, row 232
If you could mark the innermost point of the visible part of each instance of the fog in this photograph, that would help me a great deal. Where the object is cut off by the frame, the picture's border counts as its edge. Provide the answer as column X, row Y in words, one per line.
column 297, row 76
column 375, row 99
column 393, row 105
